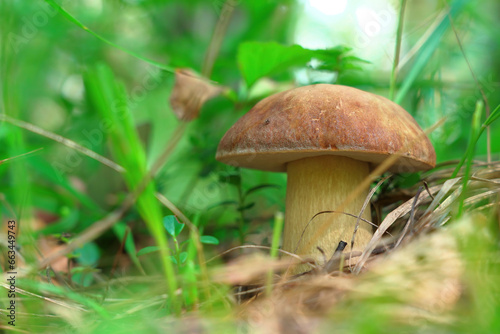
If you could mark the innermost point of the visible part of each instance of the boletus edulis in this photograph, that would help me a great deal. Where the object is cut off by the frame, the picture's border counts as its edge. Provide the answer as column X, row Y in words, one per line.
column 326, row 138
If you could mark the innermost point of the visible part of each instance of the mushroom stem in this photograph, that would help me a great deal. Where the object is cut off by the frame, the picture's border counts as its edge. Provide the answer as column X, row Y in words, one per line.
column 318, row 184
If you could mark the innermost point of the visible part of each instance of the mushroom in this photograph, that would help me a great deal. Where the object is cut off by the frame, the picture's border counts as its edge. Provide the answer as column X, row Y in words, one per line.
column 326, row 138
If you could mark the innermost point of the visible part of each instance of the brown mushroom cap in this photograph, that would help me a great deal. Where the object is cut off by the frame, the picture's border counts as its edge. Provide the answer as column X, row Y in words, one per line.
column 325, row 120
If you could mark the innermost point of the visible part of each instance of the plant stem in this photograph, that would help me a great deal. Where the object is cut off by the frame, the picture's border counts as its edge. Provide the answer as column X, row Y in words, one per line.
column 277, row 230
column 474, row 136
column 397, row 50
column 177, row 251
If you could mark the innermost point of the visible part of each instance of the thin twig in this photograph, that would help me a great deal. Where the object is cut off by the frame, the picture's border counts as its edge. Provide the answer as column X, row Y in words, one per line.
column 302, row 260
column 50, row 300
column 217, row 37
column 65, row 141
column 409, row 223
column 386, row 223
column 365, row 204
column 120, row 250
column 20, row 155
column 427, row 189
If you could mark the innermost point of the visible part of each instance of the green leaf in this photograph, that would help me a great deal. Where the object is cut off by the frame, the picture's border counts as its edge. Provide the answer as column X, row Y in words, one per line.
column 65, row 224
column 260, row 59
column 88, row 254
column 475, row 133
column 246, row 207
column 335, row 59
column 183, row 257
column 223, row 203
column 148, row 250
column 257, row 59
column 209, row 240
column 172, row 225
column 85, row 279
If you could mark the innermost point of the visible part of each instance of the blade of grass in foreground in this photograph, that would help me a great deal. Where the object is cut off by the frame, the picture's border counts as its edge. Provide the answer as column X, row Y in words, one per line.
column 60, row 139
column 277, row 230
column 469, row 155
column 109, row 98
column 71, row 18
column 42, row 289
column 495, row 114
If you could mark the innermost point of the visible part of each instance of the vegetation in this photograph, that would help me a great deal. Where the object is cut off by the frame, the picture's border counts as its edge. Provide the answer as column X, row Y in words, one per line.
column 121, row 220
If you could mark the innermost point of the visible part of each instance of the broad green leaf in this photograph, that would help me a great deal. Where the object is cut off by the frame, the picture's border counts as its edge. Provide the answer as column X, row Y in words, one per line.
column 88, row 254
column 260, row 59
column 246, row 207
column 183, row 257
column 209, row 240
column 83, row 278
column 172, row 225
column 257, row 59
column 335, row 59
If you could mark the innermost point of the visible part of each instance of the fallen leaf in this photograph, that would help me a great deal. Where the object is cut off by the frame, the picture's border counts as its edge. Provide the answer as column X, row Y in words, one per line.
column 190, row 93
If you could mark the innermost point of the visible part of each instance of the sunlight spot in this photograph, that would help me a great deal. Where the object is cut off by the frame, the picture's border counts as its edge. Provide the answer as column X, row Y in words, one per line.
column 329, row 7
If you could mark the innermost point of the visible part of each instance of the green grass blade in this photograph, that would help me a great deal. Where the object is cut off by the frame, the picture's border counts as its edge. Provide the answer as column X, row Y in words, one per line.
column 110, row 99
column 428, row 49
column 474, row 136
column 42, row 289
column 495, row 114
column 397, row 50
column 277, row 230
column 60, row 139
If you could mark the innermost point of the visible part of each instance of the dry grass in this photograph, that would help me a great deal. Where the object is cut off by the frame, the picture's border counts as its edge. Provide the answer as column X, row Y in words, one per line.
column 418, row 274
